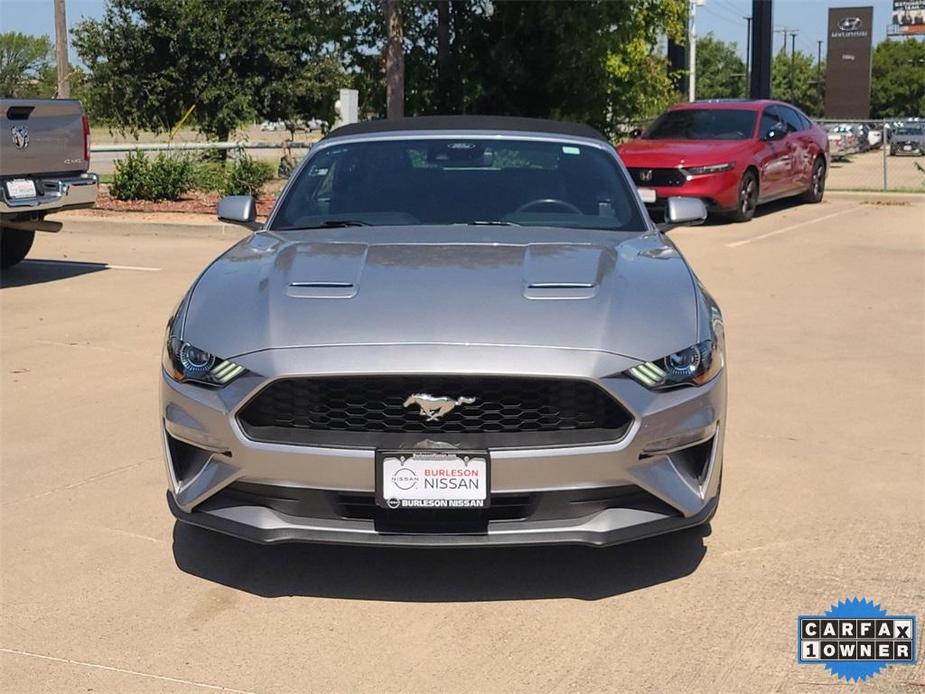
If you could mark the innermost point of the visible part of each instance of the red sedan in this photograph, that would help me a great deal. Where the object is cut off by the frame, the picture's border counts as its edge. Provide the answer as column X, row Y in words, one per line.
column 734, row 155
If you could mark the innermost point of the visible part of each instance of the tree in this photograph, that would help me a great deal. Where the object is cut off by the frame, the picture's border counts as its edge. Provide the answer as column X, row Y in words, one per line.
column 593, row 61
column 235, row 61
column 720, row 71
column 898, row 79
column 24, row 60
column 394, row 61
column 794, row 78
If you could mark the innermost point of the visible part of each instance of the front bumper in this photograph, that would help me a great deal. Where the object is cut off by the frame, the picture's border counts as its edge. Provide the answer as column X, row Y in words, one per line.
column 662, row 475
column 913, row 148
column 719, row 191
column 53, row 194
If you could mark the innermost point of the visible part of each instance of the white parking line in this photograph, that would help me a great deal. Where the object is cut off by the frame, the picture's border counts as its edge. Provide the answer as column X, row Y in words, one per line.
column 736, row 244
column 83, row 263
column 97, row 666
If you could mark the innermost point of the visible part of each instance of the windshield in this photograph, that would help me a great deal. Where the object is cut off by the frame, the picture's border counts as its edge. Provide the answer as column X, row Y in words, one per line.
column 460, row 181
column 703, row 124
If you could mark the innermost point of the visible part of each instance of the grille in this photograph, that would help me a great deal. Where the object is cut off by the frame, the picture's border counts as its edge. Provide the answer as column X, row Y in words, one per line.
column 660, row 177
column 369, row 410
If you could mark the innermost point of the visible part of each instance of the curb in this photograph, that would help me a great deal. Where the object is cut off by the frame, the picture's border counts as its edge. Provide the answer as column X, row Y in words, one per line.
column 877, row 196
column 150, row 223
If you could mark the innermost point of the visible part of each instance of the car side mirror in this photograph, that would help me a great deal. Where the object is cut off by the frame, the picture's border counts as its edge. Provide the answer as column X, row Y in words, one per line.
column 238, row 209
column 681, row 211
column 773, row 134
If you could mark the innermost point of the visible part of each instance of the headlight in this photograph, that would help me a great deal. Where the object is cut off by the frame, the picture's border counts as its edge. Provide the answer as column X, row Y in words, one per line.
column 692, row 366
column 185, row 362
column 712, row 168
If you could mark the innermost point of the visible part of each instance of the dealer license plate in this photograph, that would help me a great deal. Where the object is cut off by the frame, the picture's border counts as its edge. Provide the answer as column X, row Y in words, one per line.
column 20, row 188
column 432, row 479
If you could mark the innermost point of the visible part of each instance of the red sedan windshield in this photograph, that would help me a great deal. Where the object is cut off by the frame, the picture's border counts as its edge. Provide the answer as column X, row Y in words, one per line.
column 703, row 124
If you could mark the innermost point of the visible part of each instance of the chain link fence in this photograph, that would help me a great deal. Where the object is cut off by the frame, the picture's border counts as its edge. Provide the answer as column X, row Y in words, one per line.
column 885, row 155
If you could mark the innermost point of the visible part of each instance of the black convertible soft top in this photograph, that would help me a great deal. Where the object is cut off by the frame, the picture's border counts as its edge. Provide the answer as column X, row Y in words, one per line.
column 509, row 123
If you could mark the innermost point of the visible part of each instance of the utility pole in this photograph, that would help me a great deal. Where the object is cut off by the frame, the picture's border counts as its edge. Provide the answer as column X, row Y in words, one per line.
column 748, row 54
column 64, row 84
column 793, row 55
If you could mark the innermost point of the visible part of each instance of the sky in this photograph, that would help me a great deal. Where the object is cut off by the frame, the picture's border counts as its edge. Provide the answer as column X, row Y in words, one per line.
column 724, row 18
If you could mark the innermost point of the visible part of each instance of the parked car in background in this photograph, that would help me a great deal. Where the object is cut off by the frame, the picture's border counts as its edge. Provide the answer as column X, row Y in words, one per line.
column 732, row 154
column 272, row 126
column 908, row 139
column 838, row 144
column 849, row 136
column 874, row 135
column 44, row 162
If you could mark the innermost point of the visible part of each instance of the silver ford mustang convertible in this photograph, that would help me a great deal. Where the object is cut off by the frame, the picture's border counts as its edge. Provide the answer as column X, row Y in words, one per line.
column 451, row 331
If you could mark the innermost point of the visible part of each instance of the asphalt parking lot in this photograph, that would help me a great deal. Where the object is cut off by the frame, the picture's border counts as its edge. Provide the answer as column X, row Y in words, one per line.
column 823, row 497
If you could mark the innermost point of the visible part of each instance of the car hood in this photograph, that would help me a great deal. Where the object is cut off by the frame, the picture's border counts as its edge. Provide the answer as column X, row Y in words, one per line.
column 670, row 153
column 626, row 294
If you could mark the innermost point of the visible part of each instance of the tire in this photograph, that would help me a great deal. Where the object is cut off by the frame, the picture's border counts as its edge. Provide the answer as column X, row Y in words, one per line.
column 816, row 188
column 748, row 198
column 14, row 245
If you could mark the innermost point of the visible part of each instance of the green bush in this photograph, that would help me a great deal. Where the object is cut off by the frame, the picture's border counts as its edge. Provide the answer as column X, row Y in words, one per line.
column 130, row 180
column 247, row 176
column 209, row 177
column 165, row 177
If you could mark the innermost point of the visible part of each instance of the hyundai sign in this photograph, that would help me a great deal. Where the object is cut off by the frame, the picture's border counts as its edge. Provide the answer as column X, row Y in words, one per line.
column 847, row 74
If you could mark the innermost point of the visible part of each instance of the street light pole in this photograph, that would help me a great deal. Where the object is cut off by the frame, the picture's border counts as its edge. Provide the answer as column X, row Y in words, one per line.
column 819, row 71
column 793, row 54
column 692, row 50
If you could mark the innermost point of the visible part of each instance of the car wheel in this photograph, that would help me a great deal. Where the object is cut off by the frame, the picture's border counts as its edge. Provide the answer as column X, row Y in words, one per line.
column 816, row 188
column 748, row 198
column 14, row 245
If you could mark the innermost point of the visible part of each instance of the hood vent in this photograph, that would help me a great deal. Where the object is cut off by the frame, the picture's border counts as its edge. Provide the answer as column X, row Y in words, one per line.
column 322, row 290
column 564, row 271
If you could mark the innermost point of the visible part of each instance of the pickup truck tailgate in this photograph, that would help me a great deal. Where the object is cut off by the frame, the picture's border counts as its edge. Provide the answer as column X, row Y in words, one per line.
column 53, row 133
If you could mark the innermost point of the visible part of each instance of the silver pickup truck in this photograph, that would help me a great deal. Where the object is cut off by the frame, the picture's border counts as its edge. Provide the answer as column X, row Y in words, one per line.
column 44, row 162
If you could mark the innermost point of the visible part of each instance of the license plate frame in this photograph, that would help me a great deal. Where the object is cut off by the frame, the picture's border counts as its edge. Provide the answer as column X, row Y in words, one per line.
column 414, row 498
column 20, row 188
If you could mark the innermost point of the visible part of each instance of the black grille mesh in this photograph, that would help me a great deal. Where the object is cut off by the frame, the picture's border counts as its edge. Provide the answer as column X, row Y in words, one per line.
column 373, row 404
column 657, row 177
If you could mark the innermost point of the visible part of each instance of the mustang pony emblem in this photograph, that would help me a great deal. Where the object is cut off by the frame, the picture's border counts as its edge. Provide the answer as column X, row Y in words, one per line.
column 434, row 408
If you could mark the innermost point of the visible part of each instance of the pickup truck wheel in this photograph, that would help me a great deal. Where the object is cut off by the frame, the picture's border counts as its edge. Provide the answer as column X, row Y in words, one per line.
column 14, row 245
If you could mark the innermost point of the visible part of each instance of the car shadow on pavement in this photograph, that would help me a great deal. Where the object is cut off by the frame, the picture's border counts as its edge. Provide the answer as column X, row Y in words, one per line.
column 437, row 575
column 764, row 210
column 38, row 271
